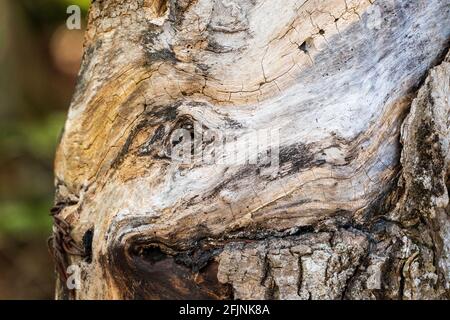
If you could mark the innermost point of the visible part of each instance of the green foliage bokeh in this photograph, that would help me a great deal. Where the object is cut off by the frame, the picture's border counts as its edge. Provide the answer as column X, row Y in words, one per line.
column 33, row 107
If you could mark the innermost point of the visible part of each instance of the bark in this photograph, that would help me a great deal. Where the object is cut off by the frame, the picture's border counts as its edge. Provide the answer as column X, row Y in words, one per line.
column 356, row 96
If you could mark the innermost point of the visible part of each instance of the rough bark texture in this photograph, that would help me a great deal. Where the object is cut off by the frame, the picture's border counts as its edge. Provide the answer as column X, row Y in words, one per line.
column 358, row 91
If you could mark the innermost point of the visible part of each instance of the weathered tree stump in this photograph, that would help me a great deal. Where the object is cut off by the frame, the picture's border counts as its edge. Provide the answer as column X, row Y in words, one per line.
column 353, row 202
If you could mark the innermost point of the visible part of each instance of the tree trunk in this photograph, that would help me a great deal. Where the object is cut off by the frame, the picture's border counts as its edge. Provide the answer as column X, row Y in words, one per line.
column 258, row 149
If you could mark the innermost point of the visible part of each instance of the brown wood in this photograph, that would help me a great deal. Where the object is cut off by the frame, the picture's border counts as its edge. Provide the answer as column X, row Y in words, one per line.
column 353, row 203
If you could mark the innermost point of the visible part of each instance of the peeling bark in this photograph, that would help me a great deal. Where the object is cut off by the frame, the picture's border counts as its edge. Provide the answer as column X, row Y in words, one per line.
column 357, row 205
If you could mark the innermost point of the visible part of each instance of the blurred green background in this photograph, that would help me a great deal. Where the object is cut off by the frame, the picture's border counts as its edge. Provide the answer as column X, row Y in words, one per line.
column 39, row 61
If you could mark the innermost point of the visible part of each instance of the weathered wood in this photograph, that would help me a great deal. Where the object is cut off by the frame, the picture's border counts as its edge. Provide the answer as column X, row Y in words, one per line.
column 354, row 204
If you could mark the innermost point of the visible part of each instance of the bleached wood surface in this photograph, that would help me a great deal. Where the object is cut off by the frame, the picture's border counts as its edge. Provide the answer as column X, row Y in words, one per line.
column 343, row 217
